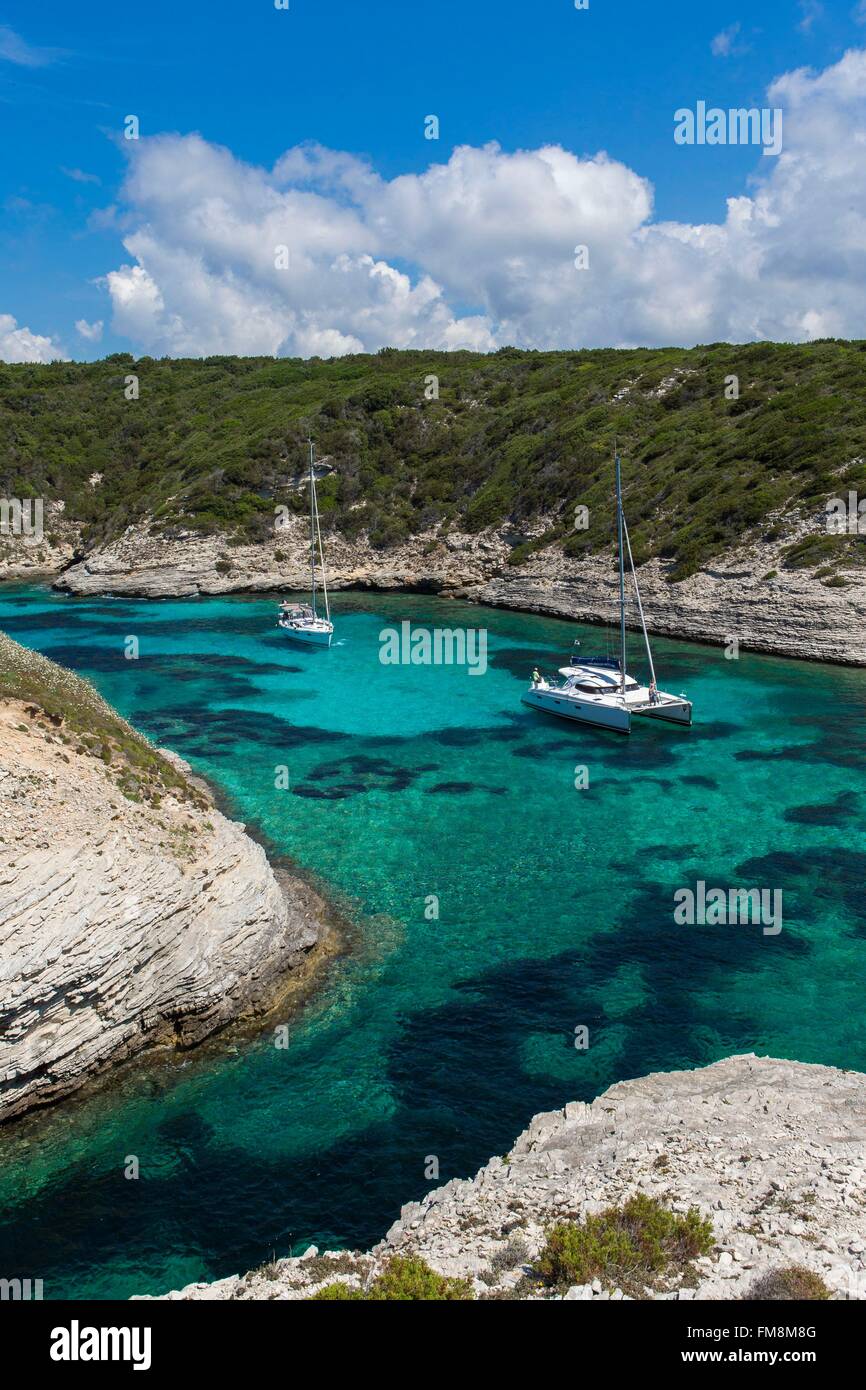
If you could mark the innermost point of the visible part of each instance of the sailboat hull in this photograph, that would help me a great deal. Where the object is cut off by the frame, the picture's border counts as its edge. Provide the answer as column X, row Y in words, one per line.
column 319, row 636
column 300, row 621
column 598, row 690
column 598, row 713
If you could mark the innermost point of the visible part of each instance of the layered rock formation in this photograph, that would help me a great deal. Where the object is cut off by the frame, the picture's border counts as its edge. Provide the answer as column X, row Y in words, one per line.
column 773, row 1152
column 46, row 543
column 131, row 911
column 748, row 594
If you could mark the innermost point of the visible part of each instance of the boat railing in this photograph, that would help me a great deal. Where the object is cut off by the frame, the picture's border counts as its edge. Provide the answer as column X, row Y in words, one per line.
column 610, row 663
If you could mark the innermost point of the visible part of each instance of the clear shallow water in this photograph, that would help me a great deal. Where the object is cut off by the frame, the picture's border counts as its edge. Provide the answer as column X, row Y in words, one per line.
column 443, row 1037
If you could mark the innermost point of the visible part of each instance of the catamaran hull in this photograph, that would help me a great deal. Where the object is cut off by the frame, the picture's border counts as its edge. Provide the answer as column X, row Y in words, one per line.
column 671, row 711
column 308, row 637
column 580, row 712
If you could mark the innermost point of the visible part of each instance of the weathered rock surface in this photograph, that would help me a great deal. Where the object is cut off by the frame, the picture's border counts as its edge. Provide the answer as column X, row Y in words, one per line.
column 46, row 543
column 123, row 924
column 773, row 1152
column 792, row 613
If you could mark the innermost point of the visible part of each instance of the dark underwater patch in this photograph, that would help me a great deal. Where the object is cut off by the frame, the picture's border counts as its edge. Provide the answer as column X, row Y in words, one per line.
column 88, row 657
column 457, row 738
column 521, row 661
column 716, row 728
column 358, row 773
column 186, row 1131
column 539, row 748
column 19, row 600
column 844, row 748
column 506, row 733
column 699, row 952
column 59, row 621
column 697, row 779
column 811, row 877
column 461, row 788
column 229, row 685
column 204, row 726
column 225, row 664
column 829, row 813
column 119, row 611
column 638, row 751
column 480, row 1032
column 325, row 793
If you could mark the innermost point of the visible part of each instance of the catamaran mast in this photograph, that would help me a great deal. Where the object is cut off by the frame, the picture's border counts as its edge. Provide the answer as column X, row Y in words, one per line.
column 312, row 531
column 639, row 604
column 621, row 571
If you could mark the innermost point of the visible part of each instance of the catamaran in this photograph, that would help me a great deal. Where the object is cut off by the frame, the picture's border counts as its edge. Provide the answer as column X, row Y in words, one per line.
column 301, row 621
column 598, row 690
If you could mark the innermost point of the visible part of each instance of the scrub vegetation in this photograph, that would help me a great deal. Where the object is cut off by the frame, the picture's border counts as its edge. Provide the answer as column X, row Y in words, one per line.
column 516, row 439
column 67, row 711
column 626, row 1247
column 406, row 1278
column 793, row 1283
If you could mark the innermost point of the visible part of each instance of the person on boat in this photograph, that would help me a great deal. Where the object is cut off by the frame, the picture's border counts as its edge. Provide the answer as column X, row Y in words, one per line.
column 536, row 677
column 653, row 692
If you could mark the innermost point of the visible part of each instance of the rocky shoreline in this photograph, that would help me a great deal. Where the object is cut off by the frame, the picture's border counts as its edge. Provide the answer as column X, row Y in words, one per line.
column 128, row 920
column 748, row 594
column 772, row 1152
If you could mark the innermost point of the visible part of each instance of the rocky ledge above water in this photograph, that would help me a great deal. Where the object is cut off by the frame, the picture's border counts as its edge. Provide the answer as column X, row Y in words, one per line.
column 749, row 593
column 131, row 911
column 772, row 1152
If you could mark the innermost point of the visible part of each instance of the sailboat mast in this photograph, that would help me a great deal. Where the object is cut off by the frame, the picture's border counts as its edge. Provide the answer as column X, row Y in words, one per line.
column 312, row 531
column 621, row 570
column 322, row 563
column 639, row 604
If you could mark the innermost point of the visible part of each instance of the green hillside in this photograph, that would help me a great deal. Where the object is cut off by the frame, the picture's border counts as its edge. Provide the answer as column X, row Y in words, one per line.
column 514, row 435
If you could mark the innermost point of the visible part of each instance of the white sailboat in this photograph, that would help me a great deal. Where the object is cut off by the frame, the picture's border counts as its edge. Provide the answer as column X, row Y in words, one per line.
column 301, row 621
column 599, row 690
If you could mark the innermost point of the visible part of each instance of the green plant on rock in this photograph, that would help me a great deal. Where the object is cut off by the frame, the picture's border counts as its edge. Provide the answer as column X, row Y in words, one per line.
column 793, row 1282
column 624, row 1246
column 338, row 1292
column 406, row 1278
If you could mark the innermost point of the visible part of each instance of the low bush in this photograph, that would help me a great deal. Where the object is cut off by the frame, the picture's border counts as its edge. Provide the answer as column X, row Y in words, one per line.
column 793, row 1282
column 624, row 1246
column 406, row 1278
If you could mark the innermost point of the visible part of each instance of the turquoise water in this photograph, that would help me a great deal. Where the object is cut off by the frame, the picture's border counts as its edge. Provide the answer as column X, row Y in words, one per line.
column 442, row 1037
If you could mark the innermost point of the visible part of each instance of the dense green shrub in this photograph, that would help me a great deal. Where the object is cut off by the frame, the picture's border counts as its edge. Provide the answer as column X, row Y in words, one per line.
column 624, row 1245
column 338, row 1292
column 406, row 1278
column 792, row 1282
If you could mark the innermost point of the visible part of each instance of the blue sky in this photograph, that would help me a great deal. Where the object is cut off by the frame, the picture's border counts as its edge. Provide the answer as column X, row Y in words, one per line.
column 360, row 78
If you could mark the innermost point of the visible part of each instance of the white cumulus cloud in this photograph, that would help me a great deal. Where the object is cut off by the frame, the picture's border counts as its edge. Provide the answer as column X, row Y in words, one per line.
column 18, row 344
column 92, row 332
column 320, row 255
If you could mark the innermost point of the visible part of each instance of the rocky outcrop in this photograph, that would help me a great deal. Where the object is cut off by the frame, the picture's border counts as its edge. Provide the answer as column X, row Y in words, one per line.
column 772, row 1152
column 38, row 544
column 125, row 919
column 790, row 614
column 748, row 594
